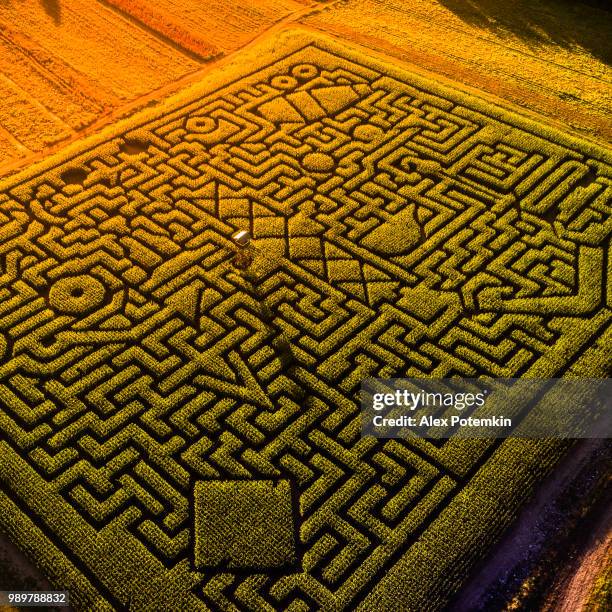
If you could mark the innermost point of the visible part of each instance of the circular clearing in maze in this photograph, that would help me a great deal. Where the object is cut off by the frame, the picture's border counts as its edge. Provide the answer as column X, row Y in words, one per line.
column 202, row 125
column 76, row 294
column 304, row 71
column 283, row 82
column 74, row 176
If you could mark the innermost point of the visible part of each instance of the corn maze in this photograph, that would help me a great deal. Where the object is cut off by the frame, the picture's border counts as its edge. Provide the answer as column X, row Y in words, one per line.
column 179, row 432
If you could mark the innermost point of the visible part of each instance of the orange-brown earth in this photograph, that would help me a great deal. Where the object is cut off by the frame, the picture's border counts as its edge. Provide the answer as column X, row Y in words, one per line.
column 578, row 586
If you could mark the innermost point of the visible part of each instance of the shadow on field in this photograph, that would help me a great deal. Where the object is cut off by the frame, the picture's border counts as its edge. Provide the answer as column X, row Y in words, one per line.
column 565, row 23
column 53, row 9
column 18, row 573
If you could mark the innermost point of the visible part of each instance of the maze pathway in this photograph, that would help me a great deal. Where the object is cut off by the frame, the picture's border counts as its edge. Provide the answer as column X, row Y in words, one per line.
column 179, row 428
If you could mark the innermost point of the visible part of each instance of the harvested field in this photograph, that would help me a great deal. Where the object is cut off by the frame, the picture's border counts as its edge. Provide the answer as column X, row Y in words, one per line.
column 60, row 70
column 206, row 32
column 180, row 428
column 120, row 59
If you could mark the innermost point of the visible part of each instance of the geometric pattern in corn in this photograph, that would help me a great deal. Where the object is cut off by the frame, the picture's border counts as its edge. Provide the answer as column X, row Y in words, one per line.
column 400, row 228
